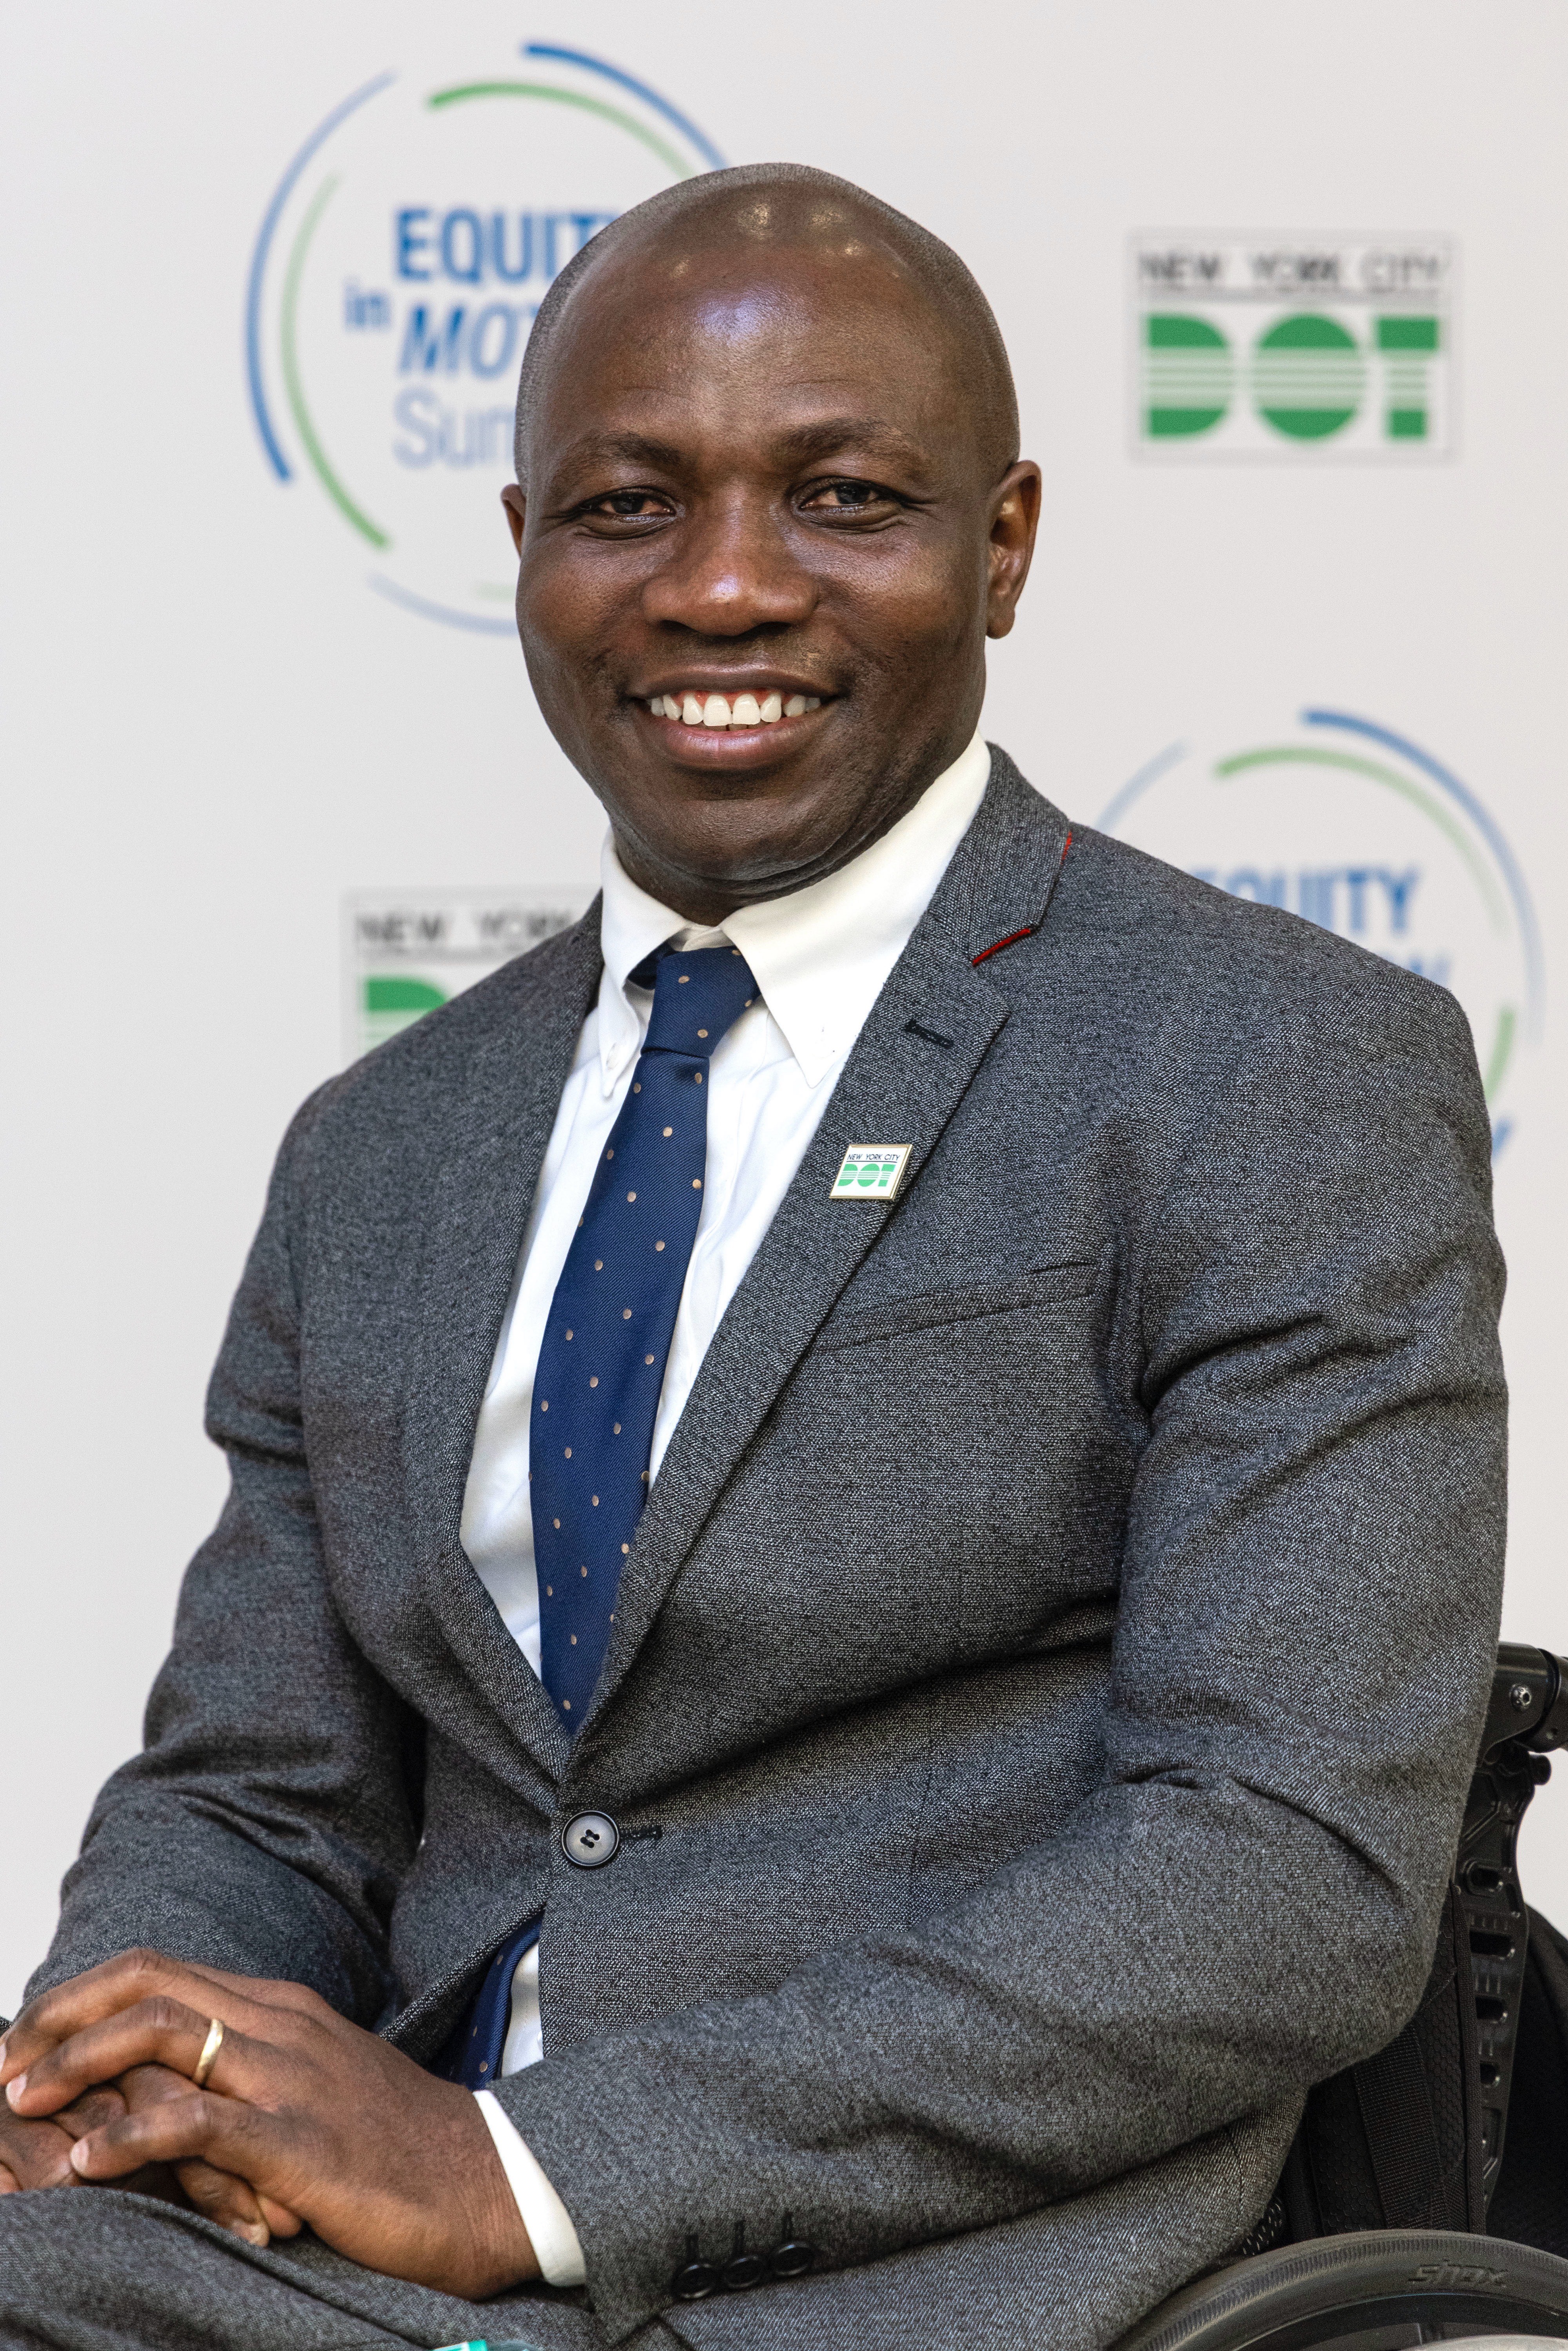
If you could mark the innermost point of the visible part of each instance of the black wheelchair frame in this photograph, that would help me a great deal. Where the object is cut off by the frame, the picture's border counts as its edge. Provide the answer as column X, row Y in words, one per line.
column 1378, row 2237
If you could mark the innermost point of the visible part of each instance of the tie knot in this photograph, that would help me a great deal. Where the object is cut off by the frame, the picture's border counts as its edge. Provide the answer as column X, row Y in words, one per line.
column 696, row 998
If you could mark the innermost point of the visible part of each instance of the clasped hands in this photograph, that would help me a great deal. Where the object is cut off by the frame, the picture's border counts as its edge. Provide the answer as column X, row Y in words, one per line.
column 306, row 2120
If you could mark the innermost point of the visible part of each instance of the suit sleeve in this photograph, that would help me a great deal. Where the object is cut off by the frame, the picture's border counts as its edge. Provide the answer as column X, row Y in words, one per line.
column 1246, row 1901
column 266, row 1824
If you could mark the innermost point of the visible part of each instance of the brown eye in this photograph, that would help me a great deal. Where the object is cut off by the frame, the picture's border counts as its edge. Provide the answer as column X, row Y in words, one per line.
column 626, row 505
column 848, row 498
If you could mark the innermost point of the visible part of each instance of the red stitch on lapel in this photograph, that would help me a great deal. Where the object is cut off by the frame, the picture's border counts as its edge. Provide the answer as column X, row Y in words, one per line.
column 1029, row 929
column 1010, row 941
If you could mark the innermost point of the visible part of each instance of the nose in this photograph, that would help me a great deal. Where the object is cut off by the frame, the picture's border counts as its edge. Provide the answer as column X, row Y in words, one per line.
column 729, row 571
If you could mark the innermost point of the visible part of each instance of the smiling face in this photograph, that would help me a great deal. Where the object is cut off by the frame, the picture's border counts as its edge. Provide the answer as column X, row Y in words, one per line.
column 763, row 536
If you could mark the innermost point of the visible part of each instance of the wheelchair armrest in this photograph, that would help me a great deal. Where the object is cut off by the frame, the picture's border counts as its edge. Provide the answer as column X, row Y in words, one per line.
column 1529, row 1700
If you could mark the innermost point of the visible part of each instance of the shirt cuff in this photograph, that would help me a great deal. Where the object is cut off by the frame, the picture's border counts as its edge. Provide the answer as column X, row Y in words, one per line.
column 545, row 2217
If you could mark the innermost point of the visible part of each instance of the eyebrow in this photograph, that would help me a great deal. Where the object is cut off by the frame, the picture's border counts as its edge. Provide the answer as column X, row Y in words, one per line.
column 632, row 448
column 809, row 441
column 833, row 432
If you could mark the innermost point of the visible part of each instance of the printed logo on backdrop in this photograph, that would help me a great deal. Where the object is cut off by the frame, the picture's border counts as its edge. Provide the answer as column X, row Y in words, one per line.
column 395, row 277
column 407, row 953
column 1360, row 830
column 1294, row 349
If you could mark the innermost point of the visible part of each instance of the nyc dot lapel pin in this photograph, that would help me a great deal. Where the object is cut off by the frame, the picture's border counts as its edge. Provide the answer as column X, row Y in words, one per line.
column 870, row 1171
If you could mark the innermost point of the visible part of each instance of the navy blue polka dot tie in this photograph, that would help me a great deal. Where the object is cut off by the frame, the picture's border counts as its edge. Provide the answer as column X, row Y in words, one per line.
column 601, row 1366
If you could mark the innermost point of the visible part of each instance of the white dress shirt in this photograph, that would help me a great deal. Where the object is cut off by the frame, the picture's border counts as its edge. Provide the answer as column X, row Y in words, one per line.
column 820, row 959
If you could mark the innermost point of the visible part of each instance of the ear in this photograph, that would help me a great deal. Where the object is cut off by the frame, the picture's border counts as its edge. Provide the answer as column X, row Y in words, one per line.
column 1014, row 518
column 516, row 508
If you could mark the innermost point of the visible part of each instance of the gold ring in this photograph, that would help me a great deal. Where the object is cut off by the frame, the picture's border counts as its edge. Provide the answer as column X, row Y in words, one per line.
column 209, row 2056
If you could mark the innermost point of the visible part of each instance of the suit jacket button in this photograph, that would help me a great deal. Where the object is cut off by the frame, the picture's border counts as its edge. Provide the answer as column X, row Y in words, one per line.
column 591, row 1840
column 792, row 2259
column 746, row 2269
column 695, row 2283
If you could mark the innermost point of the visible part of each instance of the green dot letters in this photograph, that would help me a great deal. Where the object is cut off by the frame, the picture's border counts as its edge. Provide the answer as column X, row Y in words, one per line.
column 870, row 1171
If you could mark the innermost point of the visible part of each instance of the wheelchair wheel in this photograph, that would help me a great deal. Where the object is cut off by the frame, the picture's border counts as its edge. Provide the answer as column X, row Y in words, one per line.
column 1377, row 2290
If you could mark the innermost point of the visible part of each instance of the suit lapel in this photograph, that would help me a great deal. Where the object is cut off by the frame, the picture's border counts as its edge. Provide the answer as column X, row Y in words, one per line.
column 478, row 1196
column 898, row 1086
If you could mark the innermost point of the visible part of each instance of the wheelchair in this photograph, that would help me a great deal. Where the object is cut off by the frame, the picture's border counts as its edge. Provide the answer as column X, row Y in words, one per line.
column 1397, row 2219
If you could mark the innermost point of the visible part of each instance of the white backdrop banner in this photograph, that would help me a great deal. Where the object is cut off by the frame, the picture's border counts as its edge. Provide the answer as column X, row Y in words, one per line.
column 1281, row 303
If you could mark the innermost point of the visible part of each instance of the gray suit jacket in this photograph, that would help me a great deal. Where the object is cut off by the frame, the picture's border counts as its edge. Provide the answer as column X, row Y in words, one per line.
column 1046, row 1678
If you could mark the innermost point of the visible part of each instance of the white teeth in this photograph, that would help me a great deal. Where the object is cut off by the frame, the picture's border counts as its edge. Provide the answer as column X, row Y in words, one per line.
column 748, row 710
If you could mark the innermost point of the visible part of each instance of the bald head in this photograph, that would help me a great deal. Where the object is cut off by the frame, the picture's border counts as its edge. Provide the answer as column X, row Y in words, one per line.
column 749, row 220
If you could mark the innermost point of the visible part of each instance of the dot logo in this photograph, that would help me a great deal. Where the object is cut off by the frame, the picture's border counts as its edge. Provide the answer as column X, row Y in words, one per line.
column 1340, row 819
column 1255, row 347
column 395, row 276
column 408, row 953
column 870, row 1171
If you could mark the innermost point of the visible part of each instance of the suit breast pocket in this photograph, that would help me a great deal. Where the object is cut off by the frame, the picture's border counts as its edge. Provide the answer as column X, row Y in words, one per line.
column 1069, row 1288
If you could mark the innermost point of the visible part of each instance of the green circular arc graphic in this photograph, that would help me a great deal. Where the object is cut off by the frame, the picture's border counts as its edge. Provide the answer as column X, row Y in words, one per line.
column 311, row 440
column 1291, row 755
column 1502, row 1048
column 628, row 122
column 295, row 388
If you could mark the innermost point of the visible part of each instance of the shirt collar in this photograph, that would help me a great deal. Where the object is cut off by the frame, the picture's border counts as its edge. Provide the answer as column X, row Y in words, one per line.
column 822, row 956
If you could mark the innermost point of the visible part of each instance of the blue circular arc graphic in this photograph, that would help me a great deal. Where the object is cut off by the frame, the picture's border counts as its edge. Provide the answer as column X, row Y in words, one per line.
column 323, row 131
column 683, row 123
column 546, row 52
column 1507, row 863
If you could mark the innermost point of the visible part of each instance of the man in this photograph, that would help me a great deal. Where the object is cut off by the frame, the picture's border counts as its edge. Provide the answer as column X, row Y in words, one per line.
column 867, row 1493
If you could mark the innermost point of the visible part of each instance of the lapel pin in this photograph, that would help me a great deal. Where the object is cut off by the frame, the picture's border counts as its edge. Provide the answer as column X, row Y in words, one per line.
column 870, row 1171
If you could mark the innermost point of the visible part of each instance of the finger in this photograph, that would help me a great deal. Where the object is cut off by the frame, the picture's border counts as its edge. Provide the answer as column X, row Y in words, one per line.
column 100, row 2105
column 37, row 2155
column 97, row 1990
column 219, row 2196
column 216, row 2195
column 160, row 2031
column 223, row 2132
column 233, row 2204
column 149, row 2085
column 107, row 1990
